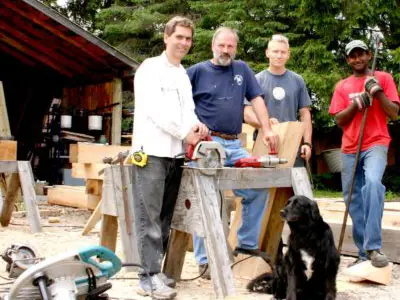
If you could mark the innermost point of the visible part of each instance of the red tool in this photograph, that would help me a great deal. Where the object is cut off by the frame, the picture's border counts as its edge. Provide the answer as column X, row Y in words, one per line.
column 260, row 161
column 190, row 148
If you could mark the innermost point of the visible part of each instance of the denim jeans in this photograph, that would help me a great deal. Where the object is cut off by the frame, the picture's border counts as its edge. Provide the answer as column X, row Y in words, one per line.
column 367, row 203
column 253, row 203
column 155, row 190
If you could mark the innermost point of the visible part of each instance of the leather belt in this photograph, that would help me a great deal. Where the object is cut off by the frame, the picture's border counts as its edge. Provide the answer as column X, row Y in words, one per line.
column 224, row 136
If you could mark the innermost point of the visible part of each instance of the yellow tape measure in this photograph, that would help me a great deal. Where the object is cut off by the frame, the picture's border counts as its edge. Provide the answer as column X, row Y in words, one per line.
column 139, row 158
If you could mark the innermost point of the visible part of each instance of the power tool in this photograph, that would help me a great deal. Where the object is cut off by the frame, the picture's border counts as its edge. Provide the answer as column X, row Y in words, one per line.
column 207, row 153
column 76, row 275
column 19, row 257
column 263, row 161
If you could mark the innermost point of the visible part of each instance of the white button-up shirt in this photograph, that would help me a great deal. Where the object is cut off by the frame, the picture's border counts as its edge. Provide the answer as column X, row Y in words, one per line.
column 164, row 108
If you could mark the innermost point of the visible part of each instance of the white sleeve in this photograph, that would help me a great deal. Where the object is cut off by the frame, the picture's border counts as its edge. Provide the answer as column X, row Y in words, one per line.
column 154, row 104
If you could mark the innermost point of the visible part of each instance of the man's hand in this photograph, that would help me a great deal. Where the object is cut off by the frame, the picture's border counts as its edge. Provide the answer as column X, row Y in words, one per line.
column 273, row 121
column 361, row 100
column 271, row 138
column 305, row 152
column 197, row 133
column 372, row 86
column 201, row 129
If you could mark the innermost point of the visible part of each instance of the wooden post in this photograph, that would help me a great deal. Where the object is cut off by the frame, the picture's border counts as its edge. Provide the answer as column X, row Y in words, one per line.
column 4, row 122
column 116, row 112
column 28, row 191
column 11, row 198
column 176, row 252
column 109, row 230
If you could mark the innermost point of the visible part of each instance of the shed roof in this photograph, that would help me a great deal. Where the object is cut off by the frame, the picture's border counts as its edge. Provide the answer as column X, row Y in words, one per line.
column 41, row 38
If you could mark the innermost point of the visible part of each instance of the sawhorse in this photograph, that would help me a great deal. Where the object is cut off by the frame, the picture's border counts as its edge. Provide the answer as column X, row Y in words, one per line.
column 21, row 176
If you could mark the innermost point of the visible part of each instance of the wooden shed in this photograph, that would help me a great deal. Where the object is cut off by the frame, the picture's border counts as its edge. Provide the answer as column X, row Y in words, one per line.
column 43, row 56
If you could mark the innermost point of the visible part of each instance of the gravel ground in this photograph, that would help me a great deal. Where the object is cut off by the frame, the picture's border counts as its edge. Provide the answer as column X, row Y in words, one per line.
column 63, row 236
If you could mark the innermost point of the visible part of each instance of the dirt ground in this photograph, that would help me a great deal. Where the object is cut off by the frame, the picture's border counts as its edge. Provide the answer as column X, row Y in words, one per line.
column 66, row 235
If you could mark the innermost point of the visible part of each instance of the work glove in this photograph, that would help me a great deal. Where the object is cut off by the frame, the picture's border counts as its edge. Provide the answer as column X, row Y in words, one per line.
column 362, row 100
column 371, row 85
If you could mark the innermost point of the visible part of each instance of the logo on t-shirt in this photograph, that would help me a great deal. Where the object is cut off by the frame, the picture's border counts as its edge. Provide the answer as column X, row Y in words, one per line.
column 238, row 79
column 278, row 93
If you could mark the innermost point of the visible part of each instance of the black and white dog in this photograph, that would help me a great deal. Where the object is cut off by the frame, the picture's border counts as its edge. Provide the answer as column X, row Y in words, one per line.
column 309, row 268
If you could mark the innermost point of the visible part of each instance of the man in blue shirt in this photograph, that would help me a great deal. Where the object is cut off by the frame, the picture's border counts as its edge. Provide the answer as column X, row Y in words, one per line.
column 220, row 86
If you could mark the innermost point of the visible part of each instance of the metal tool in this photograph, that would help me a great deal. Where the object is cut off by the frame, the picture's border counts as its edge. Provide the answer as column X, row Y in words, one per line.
column 19, row 257
column 75, row 275
column 264, row 161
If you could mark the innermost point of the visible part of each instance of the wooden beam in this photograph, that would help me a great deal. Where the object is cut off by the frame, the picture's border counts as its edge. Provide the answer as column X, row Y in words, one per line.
column 31, row 53
column 43, row 49
column 18, row 55
column 8, row 150
column 94, row 186
column 4, row 122
column 88, row 171
column 72, row 197
column 8, row 167
column 116, row 112
column 94, row 218
column 94, row 153
column 39, row 20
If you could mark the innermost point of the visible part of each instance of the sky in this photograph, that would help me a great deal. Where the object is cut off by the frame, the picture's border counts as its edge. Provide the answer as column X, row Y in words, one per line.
column 61, row 2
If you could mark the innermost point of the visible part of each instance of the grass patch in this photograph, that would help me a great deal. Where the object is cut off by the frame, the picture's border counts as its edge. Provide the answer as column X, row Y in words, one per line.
column 389, row 196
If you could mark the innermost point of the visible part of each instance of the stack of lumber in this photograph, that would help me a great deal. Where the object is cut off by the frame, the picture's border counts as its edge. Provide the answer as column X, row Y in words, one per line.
column 72, row 196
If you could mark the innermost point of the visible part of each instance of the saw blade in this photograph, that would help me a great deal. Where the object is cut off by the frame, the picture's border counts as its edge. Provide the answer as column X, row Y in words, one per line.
column 210, row 159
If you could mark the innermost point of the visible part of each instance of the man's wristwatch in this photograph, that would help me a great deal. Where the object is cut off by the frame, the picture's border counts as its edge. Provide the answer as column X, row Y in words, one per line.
column 307, row 144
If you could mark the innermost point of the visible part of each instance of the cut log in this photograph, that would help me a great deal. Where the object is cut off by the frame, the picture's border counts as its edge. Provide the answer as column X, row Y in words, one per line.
column 72, row 197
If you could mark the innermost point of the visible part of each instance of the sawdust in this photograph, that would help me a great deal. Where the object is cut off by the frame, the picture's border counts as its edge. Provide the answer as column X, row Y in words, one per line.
column 65, row 236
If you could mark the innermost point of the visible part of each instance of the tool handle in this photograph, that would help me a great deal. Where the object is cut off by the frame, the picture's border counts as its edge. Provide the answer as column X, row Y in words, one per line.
column 190, row 148
column 110, row 264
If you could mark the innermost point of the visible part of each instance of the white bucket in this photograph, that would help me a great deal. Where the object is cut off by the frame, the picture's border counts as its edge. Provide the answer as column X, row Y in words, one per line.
column 66, row 121
column 333, row 159
column 95, row 122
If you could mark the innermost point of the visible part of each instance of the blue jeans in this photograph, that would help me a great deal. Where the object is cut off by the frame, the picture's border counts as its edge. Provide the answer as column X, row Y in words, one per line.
column 253, row 203
column 367, row 203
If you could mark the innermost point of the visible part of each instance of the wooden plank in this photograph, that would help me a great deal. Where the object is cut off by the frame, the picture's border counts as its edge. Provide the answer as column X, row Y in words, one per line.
column 116, row 112
column 273, row 231
column 127, row 225
column 10, row 199
column 365, row 271
column 8, row 167
column 94, row 218
column 88, row 171
column 28, row 191
column 8, row 150
column 109, row 231
column 4, row 122
column 95, row 153
column 72, row 197
column 301, row 182
column 175, row 257
column 217, row 250
column 94, row 186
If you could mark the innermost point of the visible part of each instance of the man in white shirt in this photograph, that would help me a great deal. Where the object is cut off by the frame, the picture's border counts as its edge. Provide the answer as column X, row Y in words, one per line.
column 164, row 121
